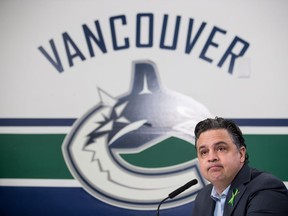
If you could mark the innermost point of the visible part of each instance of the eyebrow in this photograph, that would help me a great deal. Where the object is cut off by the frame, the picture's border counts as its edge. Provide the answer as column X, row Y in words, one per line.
column 214, row 144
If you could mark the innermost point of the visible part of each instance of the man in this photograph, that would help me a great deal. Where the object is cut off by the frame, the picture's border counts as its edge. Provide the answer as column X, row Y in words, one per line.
column 235, row 189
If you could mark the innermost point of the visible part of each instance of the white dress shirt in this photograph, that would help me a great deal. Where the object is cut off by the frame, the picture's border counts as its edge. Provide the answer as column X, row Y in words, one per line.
column 220, row 201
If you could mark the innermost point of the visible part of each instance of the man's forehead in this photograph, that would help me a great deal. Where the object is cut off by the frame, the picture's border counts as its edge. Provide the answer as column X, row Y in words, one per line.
column 212, row 137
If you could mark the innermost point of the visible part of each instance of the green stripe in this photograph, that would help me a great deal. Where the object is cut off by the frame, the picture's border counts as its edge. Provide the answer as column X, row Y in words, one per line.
column 32, row 156
column 172, row 151
column 40, row 156
column 269, row 153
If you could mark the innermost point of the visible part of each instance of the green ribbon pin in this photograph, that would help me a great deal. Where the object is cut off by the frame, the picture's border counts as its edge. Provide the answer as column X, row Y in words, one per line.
column 234, row 193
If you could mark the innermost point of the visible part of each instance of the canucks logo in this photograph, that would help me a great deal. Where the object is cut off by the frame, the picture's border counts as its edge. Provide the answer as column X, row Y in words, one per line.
column 132, row 150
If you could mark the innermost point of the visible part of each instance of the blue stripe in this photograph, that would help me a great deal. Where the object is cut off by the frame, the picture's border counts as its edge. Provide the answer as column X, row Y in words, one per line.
column 261, row 122
column 62, row 122
column 46, row 201
column 31, row 122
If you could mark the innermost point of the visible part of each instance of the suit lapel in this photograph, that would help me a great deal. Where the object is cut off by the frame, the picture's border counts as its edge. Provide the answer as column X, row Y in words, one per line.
column 233, row 197
column 209, row 204
column 210, row 207
column 204, row 204
column 236, row 190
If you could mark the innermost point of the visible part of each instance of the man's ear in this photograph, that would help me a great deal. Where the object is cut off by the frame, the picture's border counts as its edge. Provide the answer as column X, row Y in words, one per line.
column 242, row 152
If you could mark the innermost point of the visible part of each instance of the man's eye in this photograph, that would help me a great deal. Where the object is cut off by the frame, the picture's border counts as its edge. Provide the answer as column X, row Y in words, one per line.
column 221, row 148
column 203, row 153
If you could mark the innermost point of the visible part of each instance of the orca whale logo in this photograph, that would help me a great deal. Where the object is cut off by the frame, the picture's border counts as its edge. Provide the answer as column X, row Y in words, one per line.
column 133, row 150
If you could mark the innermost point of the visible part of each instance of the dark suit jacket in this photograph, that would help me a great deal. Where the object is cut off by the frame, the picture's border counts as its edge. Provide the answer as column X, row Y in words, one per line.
column 259, row 194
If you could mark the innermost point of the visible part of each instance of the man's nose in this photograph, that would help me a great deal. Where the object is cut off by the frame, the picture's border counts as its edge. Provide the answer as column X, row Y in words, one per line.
column 212, row 157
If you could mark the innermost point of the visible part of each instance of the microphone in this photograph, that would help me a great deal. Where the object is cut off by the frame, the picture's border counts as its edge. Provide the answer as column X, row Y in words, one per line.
column 177, row 192
column 182, row 188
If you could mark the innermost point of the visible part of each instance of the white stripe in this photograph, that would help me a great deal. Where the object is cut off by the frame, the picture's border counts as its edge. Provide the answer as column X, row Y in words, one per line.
column 48, row 183
column 264, row 130
column 39, row 183
column 35, row 130
column 65, row 130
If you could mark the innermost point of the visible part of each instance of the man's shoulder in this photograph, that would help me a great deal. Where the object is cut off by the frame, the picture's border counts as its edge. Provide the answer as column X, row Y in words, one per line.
column 260, row 179
column 206, row 190
column 264, row 193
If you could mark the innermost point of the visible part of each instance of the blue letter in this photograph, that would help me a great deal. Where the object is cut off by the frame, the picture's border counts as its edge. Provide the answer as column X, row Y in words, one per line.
column 67, row 40
column 113, row 33
column 57, row 63
column 233, row 55
column 210, row 42
column 100, row 42
column 138, row 31
column 163, row 33
column 189, row 46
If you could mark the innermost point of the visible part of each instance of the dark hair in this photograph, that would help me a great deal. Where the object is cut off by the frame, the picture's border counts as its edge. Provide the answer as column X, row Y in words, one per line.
column 221, row 123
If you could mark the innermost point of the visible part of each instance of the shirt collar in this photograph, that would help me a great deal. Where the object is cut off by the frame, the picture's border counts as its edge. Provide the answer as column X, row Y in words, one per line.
column 215, row 196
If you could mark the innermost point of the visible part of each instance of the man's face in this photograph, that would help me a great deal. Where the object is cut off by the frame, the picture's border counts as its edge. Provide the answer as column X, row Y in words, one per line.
column 219, row 158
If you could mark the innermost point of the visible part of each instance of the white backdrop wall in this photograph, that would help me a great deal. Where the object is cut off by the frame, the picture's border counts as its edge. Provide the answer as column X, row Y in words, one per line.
column 59, row 59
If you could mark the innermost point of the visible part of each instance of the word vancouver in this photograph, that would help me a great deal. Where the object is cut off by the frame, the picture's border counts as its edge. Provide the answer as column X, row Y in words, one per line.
column 121, row 32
